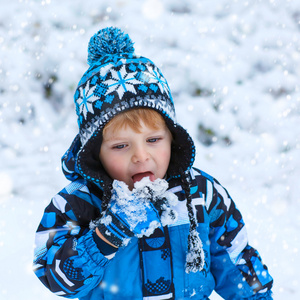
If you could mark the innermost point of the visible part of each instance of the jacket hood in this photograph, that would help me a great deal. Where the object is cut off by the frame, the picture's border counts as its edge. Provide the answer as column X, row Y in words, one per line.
column 68, row 161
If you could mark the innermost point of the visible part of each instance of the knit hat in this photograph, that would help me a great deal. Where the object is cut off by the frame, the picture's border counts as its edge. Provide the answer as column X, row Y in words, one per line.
column 118, row 80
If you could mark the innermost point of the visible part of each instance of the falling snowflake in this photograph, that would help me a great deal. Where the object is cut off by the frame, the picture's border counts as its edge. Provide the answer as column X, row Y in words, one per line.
column 87, row 98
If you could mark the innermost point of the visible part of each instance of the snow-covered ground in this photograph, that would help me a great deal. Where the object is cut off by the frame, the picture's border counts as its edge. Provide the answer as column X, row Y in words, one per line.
column 234, row 69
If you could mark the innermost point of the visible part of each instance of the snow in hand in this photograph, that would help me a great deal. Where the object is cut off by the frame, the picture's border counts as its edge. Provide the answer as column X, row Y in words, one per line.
column 162, row 199
column 137, row 207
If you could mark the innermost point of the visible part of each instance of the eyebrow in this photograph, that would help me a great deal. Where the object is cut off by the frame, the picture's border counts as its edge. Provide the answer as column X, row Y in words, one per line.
column 113, row 138
column 118, row 138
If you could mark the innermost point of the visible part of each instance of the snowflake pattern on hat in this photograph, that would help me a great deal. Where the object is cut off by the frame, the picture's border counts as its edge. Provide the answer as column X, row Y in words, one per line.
column 118, row 80
column 112, row 83
column 86, row 100
column 121, row 82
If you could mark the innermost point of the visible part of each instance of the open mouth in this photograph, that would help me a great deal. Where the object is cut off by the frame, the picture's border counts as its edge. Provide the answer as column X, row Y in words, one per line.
column 140, row 176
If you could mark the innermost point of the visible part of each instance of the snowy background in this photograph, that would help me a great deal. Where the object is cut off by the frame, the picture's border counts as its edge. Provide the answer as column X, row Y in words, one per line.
column 233, row 67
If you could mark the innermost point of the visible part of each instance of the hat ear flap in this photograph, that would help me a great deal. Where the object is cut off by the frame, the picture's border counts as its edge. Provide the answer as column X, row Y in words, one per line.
column 90, row 167
column 88, row 161
column 182, row 151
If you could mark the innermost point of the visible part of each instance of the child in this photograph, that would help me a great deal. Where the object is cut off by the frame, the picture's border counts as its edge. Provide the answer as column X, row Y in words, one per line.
column 138, row 221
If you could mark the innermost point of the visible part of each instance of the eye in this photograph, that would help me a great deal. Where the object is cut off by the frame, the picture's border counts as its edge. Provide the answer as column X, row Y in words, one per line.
column 153, row 140
column 121, row 146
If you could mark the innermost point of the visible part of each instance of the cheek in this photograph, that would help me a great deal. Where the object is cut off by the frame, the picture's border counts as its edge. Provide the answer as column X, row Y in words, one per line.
column 117, row 168
column 164, row 157
column 114, row 166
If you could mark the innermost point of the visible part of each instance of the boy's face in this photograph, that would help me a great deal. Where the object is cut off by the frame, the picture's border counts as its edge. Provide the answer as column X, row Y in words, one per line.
column 129, row 156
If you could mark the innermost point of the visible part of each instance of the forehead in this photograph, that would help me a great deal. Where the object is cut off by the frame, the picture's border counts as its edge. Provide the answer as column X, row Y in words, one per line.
column 135, row 118
column 125, row 130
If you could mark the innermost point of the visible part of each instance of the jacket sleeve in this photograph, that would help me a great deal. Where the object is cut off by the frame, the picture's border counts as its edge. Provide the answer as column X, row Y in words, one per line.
column 66, row 257
column 237, row 267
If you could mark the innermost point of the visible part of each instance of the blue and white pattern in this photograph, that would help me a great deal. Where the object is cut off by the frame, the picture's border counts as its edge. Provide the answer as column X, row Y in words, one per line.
column 120, row 81
column 158, row 80
column 86, row 100
column 65, row 245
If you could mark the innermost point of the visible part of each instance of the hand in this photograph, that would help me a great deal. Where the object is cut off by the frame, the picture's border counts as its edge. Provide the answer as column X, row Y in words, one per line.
column 128, row 214
column 162, row 199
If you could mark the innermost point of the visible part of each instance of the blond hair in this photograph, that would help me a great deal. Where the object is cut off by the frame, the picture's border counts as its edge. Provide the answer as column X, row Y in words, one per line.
column 134, row 117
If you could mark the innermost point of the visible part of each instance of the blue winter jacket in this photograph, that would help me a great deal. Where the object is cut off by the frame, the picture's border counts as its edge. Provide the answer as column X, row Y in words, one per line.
column 69, row 262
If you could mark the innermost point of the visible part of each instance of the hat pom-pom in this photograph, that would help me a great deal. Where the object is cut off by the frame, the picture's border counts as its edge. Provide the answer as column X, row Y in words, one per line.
column 108, row 41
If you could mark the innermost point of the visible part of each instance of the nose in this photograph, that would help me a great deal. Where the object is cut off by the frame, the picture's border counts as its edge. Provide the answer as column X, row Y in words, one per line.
column 140, row 154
